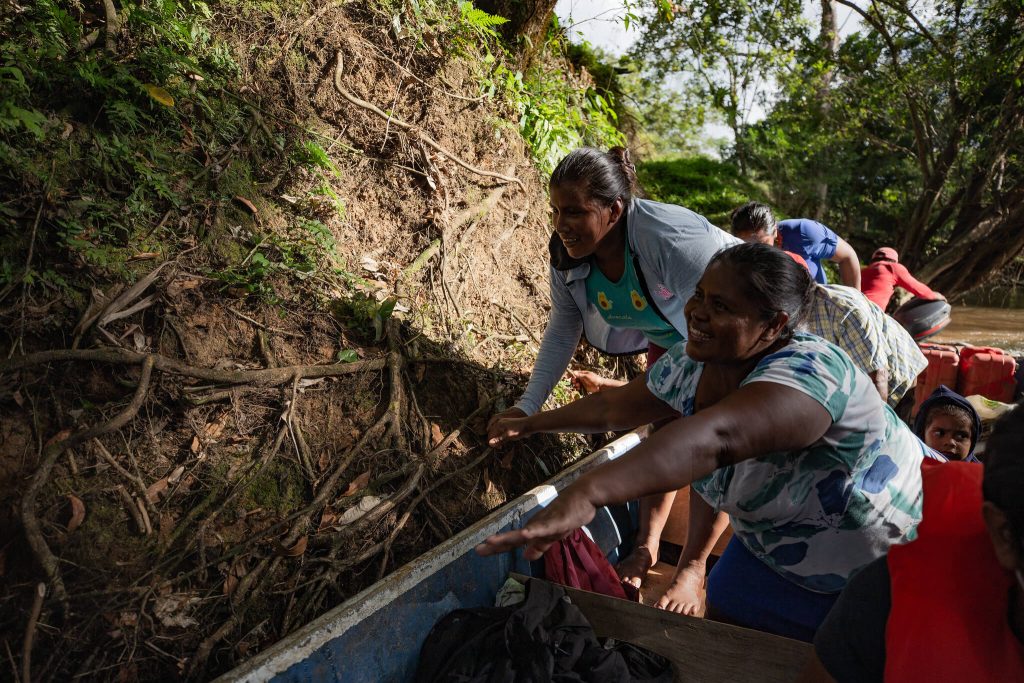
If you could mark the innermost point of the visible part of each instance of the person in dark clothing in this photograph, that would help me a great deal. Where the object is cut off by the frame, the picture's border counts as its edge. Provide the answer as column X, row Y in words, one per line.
column 948, row 423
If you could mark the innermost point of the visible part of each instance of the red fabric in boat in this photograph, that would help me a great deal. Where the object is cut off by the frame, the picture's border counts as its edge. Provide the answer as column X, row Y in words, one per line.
column 577, row 562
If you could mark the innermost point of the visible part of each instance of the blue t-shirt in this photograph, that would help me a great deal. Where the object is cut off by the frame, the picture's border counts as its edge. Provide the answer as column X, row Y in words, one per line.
column 811, row 240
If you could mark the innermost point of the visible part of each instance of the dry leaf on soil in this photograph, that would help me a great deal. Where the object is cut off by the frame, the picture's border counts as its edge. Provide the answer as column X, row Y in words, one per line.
column 59, row 436
column 181, row 284
column 235, row 574
column 359, row 509
column 196, row 445
column 172, row 610
column 77, row 512
column 327, row 519
column 295, row 550
column 213, row 429
column 490, row 487
column 155, row 489
column 174, row 476
column 435, row 433
column 247, row 204
column 506, row 462
column 358, row 484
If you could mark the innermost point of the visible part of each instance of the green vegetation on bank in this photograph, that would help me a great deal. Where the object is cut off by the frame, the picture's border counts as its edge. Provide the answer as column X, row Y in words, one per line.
column 709, row 187
column 136, row 131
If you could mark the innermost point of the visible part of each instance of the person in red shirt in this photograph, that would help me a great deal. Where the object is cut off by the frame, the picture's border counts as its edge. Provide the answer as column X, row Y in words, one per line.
column 885, row 273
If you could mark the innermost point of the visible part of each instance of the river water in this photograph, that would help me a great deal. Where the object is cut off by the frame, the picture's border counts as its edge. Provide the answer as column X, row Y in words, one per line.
column 982, row 326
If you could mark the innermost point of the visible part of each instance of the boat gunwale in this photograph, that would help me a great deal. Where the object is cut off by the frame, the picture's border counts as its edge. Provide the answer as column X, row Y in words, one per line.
column 304, row 642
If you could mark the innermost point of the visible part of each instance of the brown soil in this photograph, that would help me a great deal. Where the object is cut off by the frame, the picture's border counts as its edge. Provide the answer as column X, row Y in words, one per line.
column 245, row 541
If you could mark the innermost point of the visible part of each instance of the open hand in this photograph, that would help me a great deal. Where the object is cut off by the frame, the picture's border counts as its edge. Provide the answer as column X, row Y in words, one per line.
column 570, row 510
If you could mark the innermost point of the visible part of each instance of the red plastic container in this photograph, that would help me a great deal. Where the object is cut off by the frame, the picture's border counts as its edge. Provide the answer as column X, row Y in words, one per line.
column 987, row 371
column 942, row 369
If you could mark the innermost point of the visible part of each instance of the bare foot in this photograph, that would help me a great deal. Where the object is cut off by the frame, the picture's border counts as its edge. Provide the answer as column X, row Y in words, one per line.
column 684, row 593
column 634, row 568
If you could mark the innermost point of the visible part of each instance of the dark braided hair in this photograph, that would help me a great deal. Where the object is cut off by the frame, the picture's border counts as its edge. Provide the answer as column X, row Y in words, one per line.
column 603, row 176
column 774, row 281
column 1003, row 482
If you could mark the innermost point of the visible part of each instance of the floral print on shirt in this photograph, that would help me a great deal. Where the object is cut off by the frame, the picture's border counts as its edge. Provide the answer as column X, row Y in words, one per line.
column 819, row 514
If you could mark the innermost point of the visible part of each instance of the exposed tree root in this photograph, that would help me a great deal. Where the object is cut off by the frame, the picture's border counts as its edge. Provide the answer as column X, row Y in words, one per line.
column 290, row 558
column 258, row 378
column 51, row 453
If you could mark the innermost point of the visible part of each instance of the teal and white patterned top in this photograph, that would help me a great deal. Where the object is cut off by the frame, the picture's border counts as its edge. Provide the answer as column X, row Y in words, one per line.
column 819, row 514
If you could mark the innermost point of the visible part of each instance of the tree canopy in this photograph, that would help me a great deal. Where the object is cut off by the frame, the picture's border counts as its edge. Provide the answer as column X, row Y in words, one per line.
column 906, row 132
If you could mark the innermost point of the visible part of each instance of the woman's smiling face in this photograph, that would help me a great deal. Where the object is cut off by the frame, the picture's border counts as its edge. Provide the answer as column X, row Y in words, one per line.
column 581, row 221
column 723, row 324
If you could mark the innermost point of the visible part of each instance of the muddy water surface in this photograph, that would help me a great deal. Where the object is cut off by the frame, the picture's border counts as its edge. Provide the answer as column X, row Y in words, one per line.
column 980, row 326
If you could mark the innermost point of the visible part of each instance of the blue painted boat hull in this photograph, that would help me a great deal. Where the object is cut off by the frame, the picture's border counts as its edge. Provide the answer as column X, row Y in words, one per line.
column 376, row 635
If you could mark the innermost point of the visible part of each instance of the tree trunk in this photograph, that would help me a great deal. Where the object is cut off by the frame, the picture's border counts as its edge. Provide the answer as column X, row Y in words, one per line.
column 528, row 22
column 828, row 40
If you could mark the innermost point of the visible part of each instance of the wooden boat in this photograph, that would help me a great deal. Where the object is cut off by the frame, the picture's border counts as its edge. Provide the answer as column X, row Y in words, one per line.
column 376, row 635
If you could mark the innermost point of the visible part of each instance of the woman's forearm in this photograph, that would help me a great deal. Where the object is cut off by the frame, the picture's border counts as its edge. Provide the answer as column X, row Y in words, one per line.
column 624, row 407
column 669, row 459
column 561, row 337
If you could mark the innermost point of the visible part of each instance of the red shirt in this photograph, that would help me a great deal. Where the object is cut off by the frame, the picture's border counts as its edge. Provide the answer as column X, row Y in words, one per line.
column 879, row 279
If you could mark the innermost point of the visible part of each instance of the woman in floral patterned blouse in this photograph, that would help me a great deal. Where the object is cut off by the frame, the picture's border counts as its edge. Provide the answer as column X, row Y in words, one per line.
column 780, row 434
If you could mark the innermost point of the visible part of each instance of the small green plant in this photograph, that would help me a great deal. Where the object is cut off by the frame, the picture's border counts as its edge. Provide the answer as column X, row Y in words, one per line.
column 478, row 22
column 115, row 134
column 555, row 113
column 362, row 314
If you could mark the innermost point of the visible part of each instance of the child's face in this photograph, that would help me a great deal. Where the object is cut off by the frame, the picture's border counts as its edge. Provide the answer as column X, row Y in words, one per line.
column 949, row 435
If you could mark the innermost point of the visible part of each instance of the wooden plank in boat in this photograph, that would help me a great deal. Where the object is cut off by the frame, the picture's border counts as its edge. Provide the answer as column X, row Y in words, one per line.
column 699, row 649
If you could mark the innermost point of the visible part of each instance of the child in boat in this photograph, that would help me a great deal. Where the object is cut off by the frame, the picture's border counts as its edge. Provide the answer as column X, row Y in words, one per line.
column 879, row 278
column 948, row 423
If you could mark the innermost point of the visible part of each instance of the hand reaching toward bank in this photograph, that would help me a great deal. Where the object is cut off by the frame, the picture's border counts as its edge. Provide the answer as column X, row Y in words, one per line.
column 566, row 513
column 588, row 382
column 506, row 429
column 494, row 431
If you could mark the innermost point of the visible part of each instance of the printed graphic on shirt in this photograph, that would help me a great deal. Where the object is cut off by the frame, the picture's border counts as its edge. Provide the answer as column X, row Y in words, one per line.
column 662, row 291
column 639, row 303
column 603, row 302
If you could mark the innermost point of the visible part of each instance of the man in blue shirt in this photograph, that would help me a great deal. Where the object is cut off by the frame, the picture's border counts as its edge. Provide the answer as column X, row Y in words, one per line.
column 814, row 242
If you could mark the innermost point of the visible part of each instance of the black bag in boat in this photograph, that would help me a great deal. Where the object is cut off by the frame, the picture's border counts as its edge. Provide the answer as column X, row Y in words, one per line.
column 544, row 638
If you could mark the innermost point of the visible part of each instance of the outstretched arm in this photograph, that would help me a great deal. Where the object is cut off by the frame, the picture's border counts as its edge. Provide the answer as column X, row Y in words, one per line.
column 624, row 407
column 561, row 337
column 849, row 264
column 758, row 418
column 910, row 283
